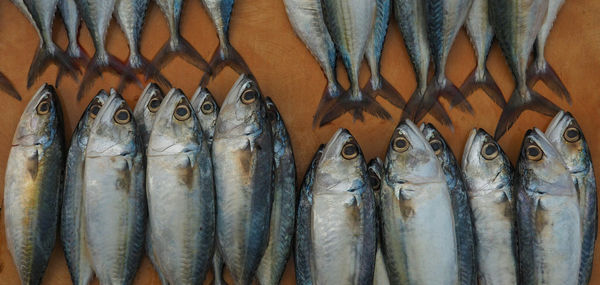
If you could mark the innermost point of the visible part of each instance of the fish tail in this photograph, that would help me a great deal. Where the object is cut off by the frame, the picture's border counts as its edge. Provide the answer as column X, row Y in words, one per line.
column 97, row 65
column 8, row 87
column 331, row 92
column 386, row 91
column 45, row 55
column 217, row 265
column 437, row 110
column 183, row 49
column 485, row 82
column 529, row 100
column 79, row 56
column 356, row 105
column 225, row 55
column 444, row 88
column 543, row 71
column 145, row 67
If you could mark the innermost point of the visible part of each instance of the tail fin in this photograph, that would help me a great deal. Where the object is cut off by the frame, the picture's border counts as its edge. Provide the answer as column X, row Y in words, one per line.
column 331, row 92
column 99, row 64
column 386, row 91
column 181, row 48
column 7, row 86
column 546, row 73
column 437, row 110
column 446, row 89
column 79, row 56
column 485, row 82
column 145, row 67
column 347, row 103
column 46, row 54
column 518, row 103
column 225, row 56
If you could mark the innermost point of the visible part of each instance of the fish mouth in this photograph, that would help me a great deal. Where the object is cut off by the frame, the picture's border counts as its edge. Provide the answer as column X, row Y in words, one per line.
column 556, row 122
column 468, row 147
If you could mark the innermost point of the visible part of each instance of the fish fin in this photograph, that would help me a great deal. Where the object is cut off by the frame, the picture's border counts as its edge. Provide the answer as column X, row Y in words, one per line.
column 346, row 103
column 413, row 104
column 183, row 49
column 150, row 71
column 446, row 89
column 81, row 60
column 386, row 91
column 439, row 113
column 546, row 73
column 97, row 65
column 225, row 56
column 485, row 83
column 329, row 94
column 44, row 55
column 518, row 103
column 8, row 87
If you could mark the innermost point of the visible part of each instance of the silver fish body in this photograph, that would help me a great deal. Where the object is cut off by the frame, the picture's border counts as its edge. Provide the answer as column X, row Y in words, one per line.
column 566, row 136
column 375, row 171
column 114, row 198
column 243, row 166
column 180, row 191
column 207, row 111
column 34, row 173
column 488, row 176
column 418, row 236
column 548, row 217
column 145, row 110
column 72, row 230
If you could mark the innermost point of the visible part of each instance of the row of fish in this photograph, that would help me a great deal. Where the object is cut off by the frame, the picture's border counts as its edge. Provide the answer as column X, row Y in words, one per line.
column 418, row 218
column 356, row 29
column 130, row 15
column 183, row 178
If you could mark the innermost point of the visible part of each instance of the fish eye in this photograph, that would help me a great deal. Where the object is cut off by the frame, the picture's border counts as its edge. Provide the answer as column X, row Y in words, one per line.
column 94, row 109
column 43, row 107
column 489, row 151
column 572, row 135
column 122, row 116
column 350, row 151
column 436, row 145
column 207, row 107
column 182, row 112
column 154, row 104
column 400, row 144
column 374, row 180
column 249, row 96
column 534, row 152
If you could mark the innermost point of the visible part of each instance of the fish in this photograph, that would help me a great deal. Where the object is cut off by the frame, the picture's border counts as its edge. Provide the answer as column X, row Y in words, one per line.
column 548, row 218
column 32, row 185
column 176, row 45
column 146, row 109
column 243, row 167
column 463, row 226
column 415, row 207
column 283, row 210
column 308, row 21
column 350, row 25
column 481, row 34
column 219, row 12
column 540, row 69
column 70, row 16
column 207, row 110
column 375, row 172
column 342, row 219
column 180, row 192
column 96, row 15
column 516, row 24
column 302, row 246
column 488, row 177
column 130, row 15
column 567, row 137
column 72, row 230
column 41, row 15
column 114, row 196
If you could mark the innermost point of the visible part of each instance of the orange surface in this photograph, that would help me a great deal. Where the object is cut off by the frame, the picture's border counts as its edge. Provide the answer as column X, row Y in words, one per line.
column 288, row 73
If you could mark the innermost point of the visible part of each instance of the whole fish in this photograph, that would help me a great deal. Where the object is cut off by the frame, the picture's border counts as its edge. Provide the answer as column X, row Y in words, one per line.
column 34, row 174
column 481, row 34
column 180, row 189
column 308, row 21
column 463, row 226
column 516, row 24
column 302, row 246
column 350, row 24
column 416, row 207
column 176, row 45
column 243, row 166
column 225, row 55
column 72, row 230
column 70, row 16
column 97, row 15
column 145, row 111
column 342, row 219
column 41, row 15
column 379, row 86
column 207, row 111
column 375, row 172
column 540, row 69
column 548, row 219
column 114, row 197
column 283, row 210
column 488, row 177
column 567, row 137
column 130, row 15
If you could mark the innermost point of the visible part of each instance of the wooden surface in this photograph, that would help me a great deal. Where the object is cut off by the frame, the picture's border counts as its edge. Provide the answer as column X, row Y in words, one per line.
column 288, row 73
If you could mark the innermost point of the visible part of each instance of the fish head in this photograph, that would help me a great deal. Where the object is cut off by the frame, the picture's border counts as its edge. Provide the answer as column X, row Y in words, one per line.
column 566, row 136
column 484, row 164
column 541, row 168
column 437, row 142
column 375, row 172
column 89, row 116
column 41, row 119
column 148, row 104
column 114, row 130
column 410, row 157
column 207, row 110
column 176, row 128
column 243, row 112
